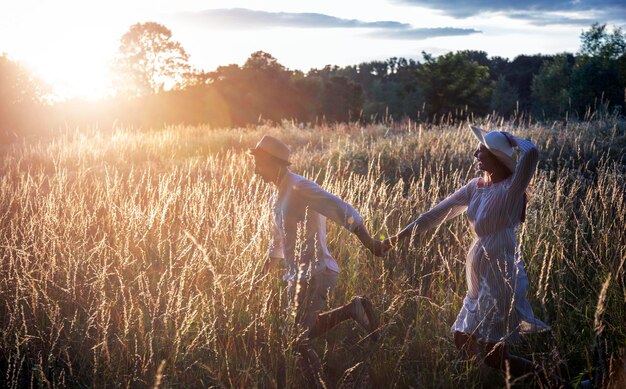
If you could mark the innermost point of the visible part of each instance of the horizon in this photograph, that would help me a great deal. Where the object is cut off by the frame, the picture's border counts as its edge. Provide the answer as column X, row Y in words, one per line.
column 69, row 45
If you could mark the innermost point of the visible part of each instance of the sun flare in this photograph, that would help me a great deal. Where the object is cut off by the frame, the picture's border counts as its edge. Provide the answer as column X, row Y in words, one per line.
column 68, row 45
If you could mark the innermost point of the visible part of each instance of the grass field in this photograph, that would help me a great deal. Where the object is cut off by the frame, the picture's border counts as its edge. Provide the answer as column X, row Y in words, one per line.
column 133, row 259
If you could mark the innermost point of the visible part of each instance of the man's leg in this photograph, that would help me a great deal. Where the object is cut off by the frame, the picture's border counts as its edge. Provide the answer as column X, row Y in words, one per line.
column 359, row 309
column 327, row 320
column 498, row 356
column 309, row 364
column 309, row 299
column 466, row 344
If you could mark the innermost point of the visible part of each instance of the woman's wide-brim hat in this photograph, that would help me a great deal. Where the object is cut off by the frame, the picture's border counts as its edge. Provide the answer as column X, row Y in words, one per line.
column 498, row 144
column 274, row 148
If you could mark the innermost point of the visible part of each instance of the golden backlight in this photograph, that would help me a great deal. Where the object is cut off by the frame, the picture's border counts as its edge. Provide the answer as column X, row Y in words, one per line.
column 67, row 44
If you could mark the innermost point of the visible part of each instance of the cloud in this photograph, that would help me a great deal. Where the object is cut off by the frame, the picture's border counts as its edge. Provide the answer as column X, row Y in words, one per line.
column 424, row 33
column 241, row 18
column 536, row 11
column 545, row 19
column 247, row 18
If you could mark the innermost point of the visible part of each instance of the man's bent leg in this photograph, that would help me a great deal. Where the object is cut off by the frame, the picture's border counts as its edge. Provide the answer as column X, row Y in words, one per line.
column 498, row 357
column 467, row 345
column 359, row 309
column 309, row 364
column 309, row 299
column 310, row 304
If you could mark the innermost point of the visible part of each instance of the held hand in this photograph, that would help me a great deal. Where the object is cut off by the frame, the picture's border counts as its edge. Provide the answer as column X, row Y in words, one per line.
column 387, row 245
column 373, row 245
column 391, row 242
column 379, row 249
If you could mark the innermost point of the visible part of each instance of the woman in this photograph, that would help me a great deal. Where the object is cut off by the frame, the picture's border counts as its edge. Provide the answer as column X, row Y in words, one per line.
column 495, row 310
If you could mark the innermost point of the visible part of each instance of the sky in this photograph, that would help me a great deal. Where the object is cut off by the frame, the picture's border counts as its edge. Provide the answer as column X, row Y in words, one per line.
column 70, row 43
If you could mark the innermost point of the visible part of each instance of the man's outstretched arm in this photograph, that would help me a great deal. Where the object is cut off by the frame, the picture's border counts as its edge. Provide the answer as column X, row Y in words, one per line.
column 340, row 212
column 374, row 245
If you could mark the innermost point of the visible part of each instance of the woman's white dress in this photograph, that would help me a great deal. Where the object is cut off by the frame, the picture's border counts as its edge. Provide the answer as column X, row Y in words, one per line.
column 495, row 307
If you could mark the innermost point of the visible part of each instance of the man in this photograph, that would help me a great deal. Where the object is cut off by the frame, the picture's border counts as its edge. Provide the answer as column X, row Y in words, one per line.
column 300, row 208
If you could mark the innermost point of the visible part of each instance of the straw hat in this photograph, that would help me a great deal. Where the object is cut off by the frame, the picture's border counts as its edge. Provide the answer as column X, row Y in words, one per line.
column 498, row 144
column 273, row 147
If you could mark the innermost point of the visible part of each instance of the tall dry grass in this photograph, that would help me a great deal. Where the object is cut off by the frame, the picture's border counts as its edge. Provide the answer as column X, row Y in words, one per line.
column 133, row 259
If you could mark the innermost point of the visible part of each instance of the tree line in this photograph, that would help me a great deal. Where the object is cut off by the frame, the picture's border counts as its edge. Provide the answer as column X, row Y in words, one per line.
column 156, row 85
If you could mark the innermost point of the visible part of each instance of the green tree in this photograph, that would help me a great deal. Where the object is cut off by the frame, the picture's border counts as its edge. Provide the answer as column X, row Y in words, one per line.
column 550, row 87
column 342, row 99
column 598, row 79
column 149, row 61
column 306, row 97
column 519, row 73
column 260, row 61
column 597, row 42
column 269, row 92
column 21, row 97
column 263, row 89
column 453, row 83
column 17, row 84
column 504, row 98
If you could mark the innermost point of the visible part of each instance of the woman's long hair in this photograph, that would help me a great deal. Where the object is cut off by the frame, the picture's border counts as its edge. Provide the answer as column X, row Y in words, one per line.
column 504, row 168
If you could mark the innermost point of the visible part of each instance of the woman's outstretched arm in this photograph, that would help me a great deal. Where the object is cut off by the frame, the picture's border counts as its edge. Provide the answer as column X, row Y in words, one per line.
column 452, row 206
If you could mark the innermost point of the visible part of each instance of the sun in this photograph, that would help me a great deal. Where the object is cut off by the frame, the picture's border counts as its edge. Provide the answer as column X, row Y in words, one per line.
column 74, row 76
column 67, row 45
column 77, row 63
